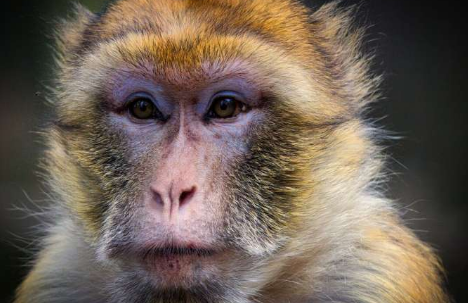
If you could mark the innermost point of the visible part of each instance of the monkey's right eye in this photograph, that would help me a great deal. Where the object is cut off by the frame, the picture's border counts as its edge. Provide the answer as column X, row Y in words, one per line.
column 143, row 108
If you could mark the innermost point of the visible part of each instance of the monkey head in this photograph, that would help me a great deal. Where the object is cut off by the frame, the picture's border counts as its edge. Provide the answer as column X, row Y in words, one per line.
column 195, row 140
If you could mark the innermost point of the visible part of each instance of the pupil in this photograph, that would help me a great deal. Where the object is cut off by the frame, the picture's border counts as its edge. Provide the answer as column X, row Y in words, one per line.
column 143, row 106
column 225, row 104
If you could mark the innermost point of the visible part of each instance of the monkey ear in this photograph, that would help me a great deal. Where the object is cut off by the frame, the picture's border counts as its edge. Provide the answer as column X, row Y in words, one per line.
column 72, row 33
column 341, row 42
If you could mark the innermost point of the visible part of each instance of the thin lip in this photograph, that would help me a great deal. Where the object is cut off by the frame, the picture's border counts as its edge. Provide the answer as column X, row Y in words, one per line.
column 159, row 250
column 178, row 251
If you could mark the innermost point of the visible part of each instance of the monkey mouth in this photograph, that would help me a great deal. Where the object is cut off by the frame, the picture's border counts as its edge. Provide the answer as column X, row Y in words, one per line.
column 167, row 257
column 158, row 250
column 172, row 264
column 177, row 251
column 177, row 265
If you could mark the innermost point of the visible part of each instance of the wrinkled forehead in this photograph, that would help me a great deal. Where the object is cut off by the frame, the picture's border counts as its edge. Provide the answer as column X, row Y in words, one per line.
column 181, row 58
column 201, row 38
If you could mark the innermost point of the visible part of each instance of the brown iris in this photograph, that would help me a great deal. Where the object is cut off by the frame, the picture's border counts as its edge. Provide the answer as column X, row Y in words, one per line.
column 226, row 106
column 142, row 108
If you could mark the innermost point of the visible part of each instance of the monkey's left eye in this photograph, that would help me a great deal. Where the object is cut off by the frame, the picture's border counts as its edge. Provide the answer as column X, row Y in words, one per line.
column 226, row 105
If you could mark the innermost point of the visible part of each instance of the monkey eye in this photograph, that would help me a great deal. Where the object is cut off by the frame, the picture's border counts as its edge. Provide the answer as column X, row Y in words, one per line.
column 142, row 107
column 226, row 105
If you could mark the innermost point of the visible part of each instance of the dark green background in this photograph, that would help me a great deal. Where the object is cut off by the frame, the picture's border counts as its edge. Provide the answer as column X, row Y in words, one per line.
column 421, row 49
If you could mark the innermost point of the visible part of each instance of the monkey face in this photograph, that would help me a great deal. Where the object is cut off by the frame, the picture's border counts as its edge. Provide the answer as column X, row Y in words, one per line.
column 184, row 146
column 190, row 154
column 199, row 190
column 192, row 181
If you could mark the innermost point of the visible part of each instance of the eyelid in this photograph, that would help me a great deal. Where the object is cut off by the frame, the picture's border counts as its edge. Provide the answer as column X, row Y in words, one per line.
column 227, row 93
column 133, row 97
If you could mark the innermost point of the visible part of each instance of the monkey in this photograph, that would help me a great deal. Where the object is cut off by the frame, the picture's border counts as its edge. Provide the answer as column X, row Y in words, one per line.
column 218, row 151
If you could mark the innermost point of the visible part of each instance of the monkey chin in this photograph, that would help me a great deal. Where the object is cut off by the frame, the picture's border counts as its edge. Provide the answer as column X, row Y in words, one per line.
column 182, row 267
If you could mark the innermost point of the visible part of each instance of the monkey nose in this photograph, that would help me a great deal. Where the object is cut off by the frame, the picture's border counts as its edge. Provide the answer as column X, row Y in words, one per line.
column 173, row 197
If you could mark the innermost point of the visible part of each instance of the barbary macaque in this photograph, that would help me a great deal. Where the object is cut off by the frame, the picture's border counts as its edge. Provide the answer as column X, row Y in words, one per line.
column 216, row 151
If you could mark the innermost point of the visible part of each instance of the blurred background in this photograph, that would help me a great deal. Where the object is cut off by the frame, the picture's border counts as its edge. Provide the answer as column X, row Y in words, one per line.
column 421, row 49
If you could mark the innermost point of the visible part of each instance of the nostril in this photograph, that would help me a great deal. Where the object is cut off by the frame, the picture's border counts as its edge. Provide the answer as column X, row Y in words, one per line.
column 157, row 198
column 186, row 195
